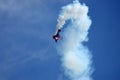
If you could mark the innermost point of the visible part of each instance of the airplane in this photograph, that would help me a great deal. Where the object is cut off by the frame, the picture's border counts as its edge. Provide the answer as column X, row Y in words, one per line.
column 57, row 37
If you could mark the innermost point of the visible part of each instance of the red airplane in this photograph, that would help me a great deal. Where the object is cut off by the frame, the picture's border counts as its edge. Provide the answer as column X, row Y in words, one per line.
column 57, row 37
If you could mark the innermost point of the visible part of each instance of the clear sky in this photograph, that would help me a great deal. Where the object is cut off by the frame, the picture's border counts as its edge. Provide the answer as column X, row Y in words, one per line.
column 28, row 52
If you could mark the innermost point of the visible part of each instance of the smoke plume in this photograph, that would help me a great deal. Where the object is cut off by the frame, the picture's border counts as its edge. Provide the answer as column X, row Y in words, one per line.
column 76, row 57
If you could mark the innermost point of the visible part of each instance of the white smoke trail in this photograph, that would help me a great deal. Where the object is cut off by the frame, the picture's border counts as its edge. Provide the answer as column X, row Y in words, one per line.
column 76, row 58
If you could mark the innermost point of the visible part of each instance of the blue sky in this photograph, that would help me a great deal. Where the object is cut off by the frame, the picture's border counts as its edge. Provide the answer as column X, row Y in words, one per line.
column 27, row 51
